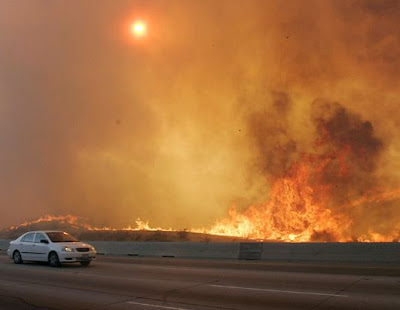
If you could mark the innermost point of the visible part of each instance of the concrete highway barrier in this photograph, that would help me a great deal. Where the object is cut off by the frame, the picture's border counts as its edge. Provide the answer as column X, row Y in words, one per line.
column 331, row 252
column 4, row 245
column 226, row 250
column 324, row 252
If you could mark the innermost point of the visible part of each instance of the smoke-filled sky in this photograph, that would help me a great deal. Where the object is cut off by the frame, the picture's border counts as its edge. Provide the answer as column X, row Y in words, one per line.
column 201, row 114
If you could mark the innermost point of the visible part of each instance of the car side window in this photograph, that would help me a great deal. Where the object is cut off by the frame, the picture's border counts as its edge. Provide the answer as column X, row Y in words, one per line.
column 28, row 238
column 39, row 237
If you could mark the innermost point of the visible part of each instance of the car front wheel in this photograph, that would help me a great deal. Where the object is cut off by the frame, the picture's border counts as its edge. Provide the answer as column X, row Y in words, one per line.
column 17, row 257
column 53, row 260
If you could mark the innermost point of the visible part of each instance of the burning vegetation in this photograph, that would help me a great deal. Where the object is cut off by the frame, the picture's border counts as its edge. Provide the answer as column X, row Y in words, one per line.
column 325, row 194
column 80, row 228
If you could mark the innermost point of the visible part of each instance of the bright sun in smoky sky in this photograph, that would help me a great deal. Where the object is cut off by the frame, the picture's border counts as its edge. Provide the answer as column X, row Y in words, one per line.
column 138, row 29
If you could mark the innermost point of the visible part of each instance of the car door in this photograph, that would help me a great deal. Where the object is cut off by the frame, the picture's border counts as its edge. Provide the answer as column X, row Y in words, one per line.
column 40, row 249
column 26, row 246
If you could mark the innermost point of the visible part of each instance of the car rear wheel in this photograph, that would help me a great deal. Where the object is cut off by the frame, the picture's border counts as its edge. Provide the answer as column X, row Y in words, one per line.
column 17, row 257
column 85, row 263
column 53, row 260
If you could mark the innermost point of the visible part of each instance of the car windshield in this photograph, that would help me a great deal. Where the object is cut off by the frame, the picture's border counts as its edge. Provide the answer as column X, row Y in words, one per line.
column 61, row 237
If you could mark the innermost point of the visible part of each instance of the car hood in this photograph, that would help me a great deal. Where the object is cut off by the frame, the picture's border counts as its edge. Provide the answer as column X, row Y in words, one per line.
column 73, row 244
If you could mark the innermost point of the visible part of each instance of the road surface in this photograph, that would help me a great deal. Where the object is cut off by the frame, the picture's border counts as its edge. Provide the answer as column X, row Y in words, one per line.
column 179, row 284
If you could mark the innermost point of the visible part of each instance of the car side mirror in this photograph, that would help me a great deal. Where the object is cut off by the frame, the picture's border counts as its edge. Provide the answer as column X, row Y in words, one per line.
column 44, row 241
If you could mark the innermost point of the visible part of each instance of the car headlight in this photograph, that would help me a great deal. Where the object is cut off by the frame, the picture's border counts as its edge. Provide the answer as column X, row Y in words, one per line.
column 68, row 249
column 92, row 249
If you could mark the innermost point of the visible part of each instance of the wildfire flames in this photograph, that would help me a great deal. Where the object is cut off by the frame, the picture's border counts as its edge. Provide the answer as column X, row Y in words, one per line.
column 325, row 194
column 315, row 196
column 81, row 223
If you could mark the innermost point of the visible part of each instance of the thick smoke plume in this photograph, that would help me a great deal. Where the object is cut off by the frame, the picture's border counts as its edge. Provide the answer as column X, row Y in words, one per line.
column 219, row 105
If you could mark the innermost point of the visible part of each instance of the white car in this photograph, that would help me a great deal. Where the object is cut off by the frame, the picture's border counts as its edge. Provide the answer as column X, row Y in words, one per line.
column 54, row 247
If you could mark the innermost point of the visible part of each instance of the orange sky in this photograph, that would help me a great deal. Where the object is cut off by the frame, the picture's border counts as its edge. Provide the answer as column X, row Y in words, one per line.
column 167, row 128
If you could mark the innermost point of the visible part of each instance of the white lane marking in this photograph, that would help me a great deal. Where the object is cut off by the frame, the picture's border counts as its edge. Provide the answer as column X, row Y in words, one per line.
column 155, row 306
column 277, row 291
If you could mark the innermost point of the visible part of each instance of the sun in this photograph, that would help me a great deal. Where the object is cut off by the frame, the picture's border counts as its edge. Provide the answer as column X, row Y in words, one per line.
column 139, row 29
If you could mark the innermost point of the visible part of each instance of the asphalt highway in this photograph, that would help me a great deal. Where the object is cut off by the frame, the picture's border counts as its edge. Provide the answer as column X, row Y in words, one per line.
column 178, row 284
